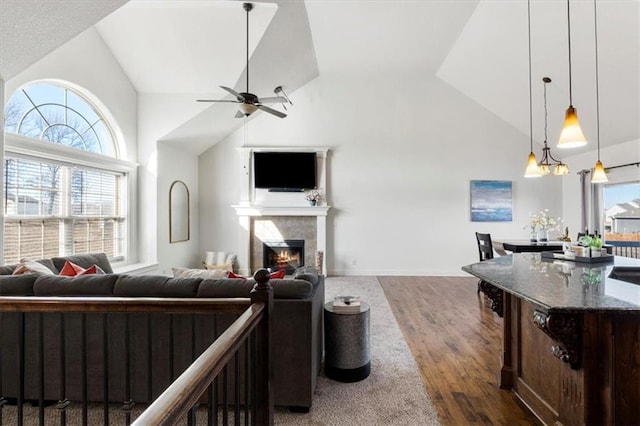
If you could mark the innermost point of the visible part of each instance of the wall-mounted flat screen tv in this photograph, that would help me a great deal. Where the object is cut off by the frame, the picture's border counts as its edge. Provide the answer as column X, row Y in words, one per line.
column 284, row 171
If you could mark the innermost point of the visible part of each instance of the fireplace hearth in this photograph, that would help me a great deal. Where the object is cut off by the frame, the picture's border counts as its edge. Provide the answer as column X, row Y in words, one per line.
column 287, row 255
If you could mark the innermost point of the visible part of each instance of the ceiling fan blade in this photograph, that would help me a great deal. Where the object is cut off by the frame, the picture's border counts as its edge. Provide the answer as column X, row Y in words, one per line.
column 273, row 100
column 233, row 92
column 217, row 100
column 239, row 114
column 271, row 111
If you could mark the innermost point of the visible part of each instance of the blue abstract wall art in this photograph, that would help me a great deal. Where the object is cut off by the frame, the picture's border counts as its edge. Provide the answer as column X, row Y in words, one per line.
column 491, row 201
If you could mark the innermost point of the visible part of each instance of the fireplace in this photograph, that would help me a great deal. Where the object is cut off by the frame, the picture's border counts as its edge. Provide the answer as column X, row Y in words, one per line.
column 287, row 254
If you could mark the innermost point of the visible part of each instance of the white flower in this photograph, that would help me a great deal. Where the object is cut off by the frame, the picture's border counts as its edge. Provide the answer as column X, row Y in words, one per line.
column 543, row 221
column 313, row 195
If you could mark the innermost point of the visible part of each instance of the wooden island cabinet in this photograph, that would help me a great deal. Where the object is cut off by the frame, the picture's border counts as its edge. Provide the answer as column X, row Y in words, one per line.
column 571, row 343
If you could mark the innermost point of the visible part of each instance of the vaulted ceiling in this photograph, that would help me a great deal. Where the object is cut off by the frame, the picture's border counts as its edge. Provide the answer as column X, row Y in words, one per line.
column 190, row 47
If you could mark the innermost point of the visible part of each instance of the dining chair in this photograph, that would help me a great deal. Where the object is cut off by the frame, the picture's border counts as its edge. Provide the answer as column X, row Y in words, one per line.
column 485, row 250
column 485, row 246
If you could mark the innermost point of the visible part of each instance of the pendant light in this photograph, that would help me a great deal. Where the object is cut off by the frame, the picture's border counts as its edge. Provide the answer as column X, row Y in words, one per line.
column 599, row 175
column 571, row 135
column 532, row 169
column 559, row 168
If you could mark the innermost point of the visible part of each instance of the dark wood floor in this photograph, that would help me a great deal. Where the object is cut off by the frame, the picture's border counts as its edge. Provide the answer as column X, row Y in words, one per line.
column 456, row 340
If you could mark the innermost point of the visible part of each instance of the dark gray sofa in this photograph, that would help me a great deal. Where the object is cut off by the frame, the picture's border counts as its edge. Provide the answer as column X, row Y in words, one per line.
column 296, row 332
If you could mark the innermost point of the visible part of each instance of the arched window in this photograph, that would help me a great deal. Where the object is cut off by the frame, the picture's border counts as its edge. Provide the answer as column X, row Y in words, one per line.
column 60, row 201
column 57, row 114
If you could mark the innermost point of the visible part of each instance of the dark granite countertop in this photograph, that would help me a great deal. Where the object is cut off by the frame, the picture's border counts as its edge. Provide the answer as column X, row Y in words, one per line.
column 561, row 285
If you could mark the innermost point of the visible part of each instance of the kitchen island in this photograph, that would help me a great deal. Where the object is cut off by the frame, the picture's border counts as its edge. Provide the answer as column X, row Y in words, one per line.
column 571, row 341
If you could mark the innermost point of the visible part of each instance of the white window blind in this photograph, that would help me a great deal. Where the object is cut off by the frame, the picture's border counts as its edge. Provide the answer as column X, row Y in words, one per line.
column 55, row 209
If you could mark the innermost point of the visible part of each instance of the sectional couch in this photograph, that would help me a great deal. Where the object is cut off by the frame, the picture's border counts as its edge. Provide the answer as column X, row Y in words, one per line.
column 297, row 342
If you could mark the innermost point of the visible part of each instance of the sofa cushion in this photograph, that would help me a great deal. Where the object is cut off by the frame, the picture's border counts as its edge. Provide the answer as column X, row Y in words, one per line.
column 155, row 286
column 308, row 273
column 17, row 285
column 282, row 289
column 83, row 285
column 86, row 261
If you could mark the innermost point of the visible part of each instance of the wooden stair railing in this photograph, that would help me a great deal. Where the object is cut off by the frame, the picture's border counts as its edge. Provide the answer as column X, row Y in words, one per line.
column 184, row 392
column 182, row 395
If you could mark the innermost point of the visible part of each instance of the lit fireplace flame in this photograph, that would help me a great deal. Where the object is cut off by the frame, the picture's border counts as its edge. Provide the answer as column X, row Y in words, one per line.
column 285, row 257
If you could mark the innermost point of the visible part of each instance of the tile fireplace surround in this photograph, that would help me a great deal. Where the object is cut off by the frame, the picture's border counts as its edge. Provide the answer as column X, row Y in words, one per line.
column 280, row 215
column 256, row 222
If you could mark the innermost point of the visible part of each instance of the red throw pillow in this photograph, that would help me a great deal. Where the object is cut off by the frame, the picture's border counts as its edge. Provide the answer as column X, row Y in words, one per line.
column 232, row 275
column 92, row 270
column 278, row 274
column 71, row 269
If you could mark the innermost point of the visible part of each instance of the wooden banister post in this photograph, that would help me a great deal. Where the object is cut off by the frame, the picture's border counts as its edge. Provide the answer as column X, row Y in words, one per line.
column 263, row 293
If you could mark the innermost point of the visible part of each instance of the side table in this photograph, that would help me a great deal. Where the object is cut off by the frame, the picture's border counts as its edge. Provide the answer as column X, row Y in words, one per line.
column 347, row 356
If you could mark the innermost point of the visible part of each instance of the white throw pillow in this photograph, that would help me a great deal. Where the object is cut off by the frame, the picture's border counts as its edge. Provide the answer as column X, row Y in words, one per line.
column 224, row 267
column 219, row 258
column 27, row 266
column 199, row 273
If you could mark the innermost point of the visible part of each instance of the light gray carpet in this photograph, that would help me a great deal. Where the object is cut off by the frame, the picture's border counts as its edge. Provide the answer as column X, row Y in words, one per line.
column 392, row 395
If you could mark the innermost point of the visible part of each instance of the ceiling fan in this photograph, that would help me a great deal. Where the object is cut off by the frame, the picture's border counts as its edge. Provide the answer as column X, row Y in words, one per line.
column 248, row 102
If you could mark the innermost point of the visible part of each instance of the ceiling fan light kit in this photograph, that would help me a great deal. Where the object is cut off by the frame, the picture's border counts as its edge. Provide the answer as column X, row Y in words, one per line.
column 248, row 102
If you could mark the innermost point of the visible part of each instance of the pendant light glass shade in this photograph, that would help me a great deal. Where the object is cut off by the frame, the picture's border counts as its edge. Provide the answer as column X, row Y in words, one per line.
column 544, row 169
column 532, row 169
column 571, row 136
column 561, row 170
column 599, row 175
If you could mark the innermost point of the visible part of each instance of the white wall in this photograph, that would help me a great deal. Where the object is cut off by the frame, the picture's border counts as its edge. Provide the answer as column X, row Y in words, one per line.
column 143, row 120
column 398, row 173
column 219, row 179
column 159, row 114
column 175, row 164
column 624, row 153
column 2, row 103
column 85, row 61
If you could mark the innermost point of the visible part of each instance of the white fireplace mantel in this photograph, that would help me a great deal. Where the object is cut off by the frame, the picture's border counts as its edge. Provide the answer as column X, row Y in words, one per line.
column 246, row 212
column 260, row 202
column 281, row 210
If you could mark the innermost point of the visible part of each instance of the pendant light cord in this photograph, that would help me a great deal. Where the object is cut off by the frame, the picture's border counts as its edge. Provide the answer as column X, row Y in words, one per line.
column 569, row 39
column 545, row 111
column 530, row 90
column 248, row 8
column 595, row 27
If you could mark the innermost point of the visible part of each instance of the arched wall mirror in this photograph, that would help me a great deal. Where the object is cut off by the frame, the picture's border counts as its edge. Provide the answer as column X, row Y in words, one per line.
column 179, row 225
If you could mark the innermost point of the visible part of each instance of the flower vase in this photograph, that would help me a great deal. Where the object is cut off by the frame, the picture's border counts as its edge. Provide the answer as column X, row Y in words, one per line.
column 543, row 235
column 534, row 236
column 312, row 202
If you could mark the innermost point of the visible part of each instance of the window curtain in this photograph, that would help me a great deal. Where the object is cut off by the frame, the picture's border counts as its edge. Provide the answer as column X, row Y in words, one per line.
column 585, row 192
